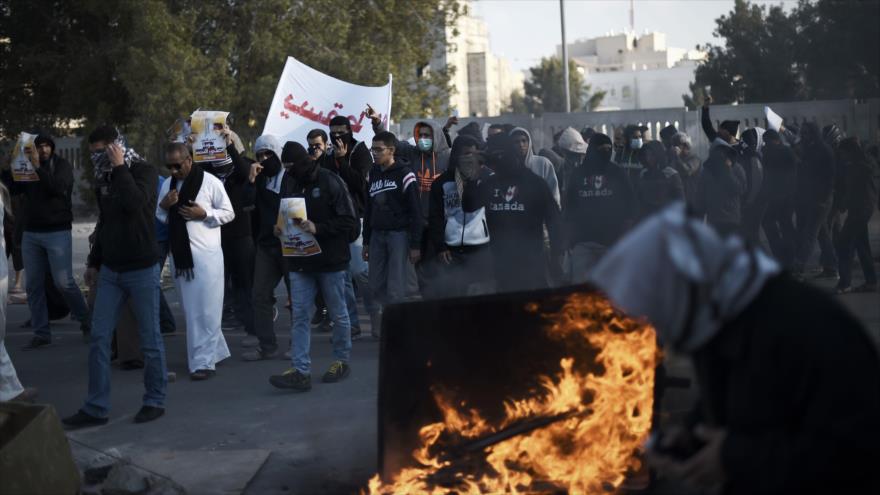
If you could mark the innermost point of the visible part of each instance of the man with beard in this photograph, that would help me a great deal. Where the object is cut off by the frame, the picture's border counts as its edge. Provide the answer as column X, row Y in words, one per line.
column 598, row 208
column 333, row 223
column 518, row 209
column 47, row 246
column 789, row 380
column 539, row 165
column 457, row 224
column 195, row 205
column 270, row 181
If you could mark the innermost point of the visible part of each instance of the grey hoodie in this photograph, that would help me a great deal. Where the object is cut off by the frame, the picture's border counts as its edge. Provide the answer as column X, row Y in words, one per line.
column 542, row 167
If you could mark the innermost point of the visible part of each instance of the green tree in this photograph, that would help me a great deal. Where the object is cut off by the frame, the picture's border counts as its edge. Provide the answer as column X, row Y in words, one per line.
column 517, row 103
column 821, row 49
column 544, row 91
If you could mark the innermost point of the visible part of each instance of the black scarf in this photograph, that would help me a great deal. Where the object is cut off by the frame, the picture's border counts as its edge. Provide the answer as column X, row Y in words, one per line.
column 177, row 233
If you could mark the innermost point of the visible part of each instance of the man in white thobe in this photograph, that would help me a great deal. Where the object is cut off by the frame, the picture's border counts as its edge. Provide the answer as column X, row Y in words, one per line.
column 194, row 205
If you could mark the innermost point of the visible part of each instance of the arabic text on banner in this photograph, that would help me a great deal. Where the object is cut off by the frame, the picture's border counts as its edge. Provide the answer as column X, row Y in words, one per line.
column 307, row 99
column 294, row 240
column 208, row 144
column 22, row 168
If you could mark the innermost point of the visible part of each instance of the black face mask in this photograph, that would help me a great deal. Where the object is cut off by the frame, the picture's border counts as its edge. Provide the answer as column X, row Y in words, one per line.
column 304, row 171
column 271, row 166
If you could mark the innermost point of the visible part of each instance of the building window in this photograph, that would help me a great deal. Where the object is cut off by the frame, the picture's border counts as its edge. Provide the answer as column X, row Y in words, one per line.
column 626, row 92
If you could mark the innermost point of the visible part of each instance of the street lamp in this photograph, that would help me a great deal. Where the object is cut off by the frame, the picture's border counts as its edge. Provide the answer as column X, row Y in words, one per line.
column 564, row 57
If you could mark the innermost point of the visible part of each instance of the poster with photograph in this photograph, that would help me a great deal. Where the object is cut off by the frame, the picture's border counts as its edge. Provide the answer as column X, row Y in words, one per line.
column 22, row 168
column 208, row 144
column 294, row 240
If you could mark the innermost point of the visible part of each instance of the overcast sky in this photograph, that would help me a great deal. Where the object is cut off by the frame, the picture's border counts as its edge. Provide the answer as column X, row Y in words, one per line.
column 523, row 31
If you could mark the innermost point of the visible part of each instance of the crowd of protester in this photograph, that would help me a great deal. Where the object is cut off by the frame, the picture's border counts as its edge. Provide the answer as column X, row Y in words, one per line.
column 398, row 220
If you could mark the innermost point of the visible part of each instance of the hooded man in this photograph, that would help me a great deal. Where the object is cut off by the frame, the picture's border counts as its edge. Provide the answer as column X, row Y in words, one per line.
column 46, row 244
column 457, row 224
column 721, row 189
column 572, row 149
column 333, row 223
column 598, row 208
column 518, row 209
column 788, row 380
column 270, row 180
column 780, row 178
column 628, row 158
column 659, row 184
column 686, row 163
column 539, row 165
column 195, row 205
column 814, row 197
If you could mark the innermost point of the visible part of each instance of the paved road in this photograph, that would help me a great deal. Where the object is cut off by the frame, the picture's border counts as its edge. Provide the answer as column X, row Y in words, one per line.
column 323, row 441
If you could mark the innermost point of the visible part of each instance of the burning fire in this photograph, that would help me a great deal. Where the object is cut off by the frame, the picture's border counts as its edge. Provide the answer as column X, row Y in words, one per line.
column 578, row 436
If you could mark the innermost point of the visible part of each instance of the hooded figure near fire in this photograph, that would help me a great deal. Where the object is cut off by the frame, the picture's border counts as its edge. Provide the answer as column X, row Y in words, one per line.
column 789, row 380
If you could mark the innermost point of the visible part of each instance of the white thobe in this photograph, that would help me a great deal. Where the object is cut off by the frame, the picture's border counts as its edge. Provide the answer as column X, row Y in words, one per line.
column 202, row 296
column 10, row 387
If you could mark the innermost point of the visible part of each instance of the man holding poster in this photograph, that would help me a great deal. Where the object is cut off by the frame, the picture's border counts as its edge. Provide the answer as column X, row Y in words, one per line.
column 316, row 223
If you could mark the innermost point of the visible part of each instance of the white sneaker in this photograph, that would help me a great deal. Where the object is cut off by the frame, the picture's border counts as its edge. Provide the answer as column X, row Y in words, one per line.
column 250, row 341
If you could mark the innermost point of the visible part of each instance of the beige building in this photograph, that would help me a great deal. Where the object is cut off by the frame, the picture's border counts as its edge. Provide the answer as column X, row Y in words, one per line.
column 636, row 72
column 483, row 81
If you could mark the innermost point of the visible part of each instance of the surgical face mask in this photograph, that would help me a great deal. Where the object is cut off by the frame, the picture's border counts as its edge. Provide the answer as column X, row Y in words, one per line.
column 426, row 144
column 635, row 143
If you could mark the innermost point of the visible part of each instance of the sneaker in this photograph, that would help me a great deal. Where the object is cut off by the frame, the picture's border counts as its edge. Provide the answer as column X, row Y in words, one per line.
column 356, row 332
column 148, row 413
column 828, row 273
column 250, row 341
column 319, row 317
column 338, row 370
column 201, row 375
column 293, row 380
column 36, row 343
column 259, row 354
column 82, row 420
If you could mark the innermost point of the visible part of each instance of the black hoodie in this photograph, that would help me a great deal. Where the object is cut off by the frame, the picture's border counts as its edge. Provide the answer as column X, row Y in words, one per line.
column 353, row 168
column 600, row 204
column 518, row 207
column 47, row 202
column 393, row 203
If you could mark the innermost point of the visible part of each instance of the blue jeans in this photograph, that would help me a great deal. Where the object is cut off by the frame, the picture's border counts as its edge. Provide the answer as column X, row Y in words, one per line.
column 141, row 288
column 304, row 288
column 166, row 317
column 50, row 252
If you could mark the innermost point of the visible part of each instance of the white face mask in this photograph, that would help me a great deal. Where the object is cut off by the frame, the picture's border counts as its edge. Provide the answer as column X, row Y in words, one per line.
column 635, row 143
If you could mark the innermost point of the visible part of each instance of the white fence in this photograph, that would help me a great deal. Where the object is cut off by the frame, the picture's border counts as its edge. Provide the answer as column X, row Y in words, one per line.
column 855, row 117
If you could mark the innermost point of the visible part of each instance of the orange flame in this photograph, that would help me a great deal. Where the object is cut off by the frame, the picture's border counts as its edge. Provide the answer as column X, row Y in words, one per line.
column 590, row 450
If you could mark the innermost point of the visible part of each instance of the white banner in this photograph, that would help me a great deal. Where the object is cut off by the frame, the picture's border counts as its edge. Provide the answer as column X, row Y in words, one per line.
column 307, row 99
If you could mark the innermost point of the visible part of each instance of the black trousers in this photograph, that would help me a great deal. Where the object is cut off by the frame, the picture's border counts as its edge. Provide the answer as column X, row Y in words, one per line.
column 779, row 228
column 853, row 239
column 238, row 261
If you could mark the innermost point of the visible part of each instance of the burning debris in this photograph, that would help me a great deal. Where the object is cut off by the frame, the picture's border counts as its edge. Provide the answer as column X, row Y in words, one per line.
column 577, row 432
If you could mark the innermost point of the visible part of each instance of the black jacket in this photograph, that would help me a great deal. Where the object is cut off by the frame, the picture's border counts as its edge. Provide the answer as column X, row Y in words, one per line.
column 795, row 381
column 518, row 208
column 599, row 206
column 393, row 203
column 657, row 188
column 354, row 168
column 780, row 172
column 860, row 187
column 125, row 236
column 453, row 220
column 329, row 207
column 241, row 196
column 267, row 204
column 47, row 202
column 720, row 192
column 816, row 174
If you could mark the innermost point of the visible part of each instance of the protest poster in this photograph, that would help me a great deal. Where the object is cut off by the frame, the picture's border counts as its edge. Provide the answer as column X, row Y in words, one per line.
column 774, row 121
column 22, row 168
column 208, row 144
column 306, row 98
column 179, row 131
column 294, row 240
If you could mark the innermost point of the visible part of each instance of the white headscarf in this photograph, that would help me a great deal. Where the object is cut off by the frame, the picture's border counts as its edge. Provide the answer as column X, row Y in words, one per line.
column 682, row 276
